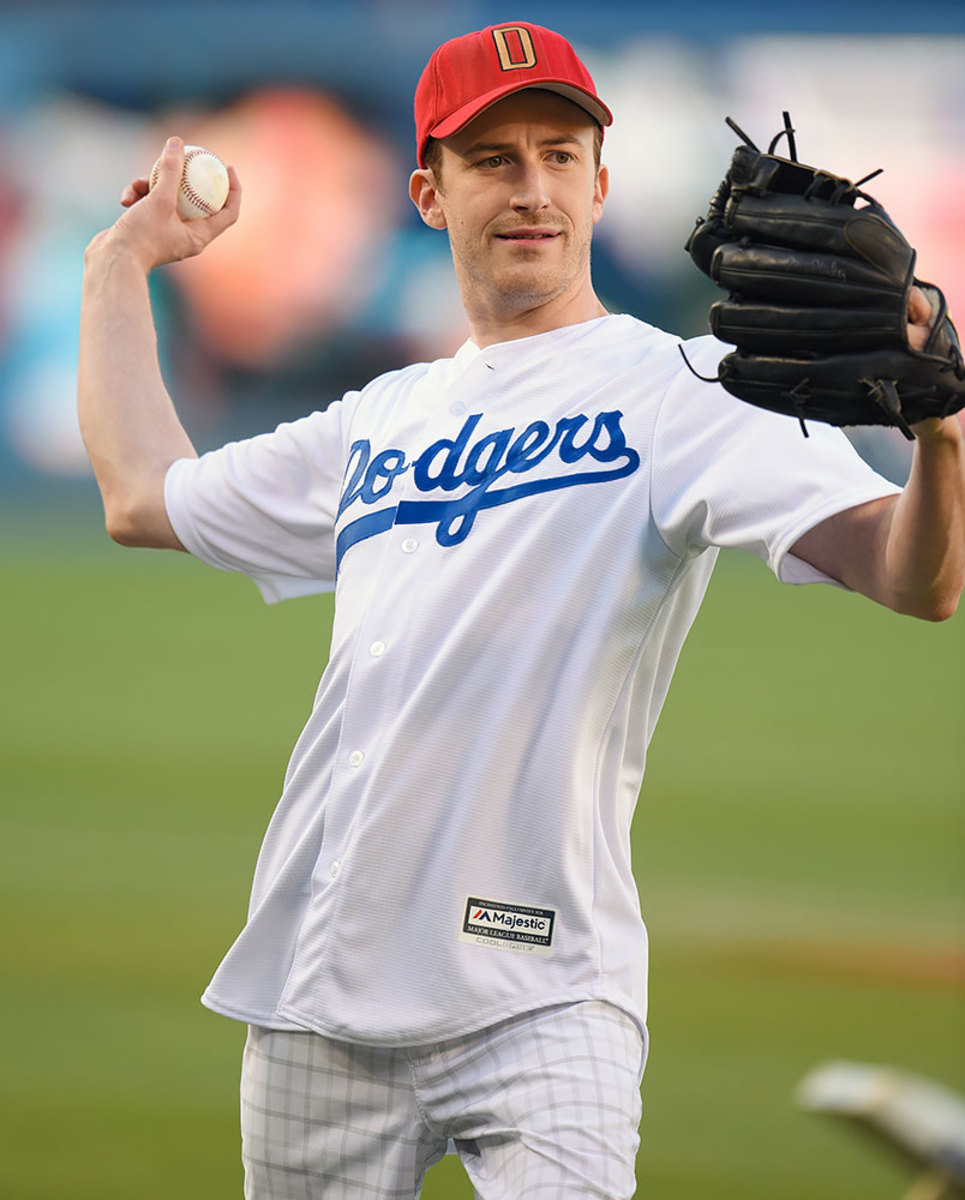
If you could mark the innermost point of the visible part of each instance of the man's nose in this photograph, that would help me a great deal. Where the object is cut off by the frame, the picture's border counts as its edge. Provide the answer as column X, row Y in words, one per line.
column 530, row 192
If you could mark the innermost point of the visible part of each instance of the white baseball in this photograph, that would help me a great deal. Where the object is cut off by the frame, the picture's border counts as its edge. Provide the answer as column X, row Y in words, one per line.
column 204, row 183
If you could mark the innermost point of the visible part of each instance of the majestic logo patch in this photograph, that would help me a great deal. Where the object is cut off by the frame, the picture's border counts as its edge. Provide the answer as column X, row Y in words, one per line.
column 508, row 926
column 473, row 464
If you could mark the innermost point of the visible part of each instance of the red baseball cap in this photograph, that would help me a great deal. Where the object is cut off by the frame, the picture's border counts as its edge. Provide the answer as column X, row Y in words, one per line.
column 468, row 74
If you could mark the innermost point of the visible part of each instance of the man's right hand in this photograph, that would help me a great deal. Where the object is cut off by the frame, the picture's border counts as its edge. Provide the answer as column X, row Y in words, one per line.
column 151, row 230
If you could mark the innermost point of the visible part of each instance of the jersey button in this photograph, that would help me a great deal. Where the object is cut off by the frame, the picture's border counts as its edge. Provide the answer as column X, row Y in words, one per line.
column 356, row 758
column 377, row 649
column 457, row 408
column 334, row 869
column 410, row 546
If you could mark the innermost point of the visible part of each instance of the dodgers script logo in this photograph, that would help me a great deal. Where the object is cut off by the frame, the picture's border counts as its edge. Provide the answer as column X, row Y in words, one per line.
column 478, row 465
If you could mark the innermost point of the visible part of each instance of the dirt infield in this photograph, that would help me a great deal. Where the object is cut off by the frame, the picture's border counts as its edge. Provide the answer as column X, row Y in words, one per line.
column 939, row 966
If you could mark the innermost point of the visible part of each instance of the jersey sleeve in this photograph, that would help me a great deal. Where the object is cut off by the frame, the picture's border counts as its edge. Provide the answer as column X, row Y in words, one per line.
column 266, row 506
column 729, row 474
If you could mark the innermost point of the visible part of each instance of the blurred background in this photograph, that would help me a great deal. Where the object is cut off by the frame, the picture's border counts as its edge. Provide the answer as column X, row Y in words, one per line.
column 331, row 276
column 801, row 847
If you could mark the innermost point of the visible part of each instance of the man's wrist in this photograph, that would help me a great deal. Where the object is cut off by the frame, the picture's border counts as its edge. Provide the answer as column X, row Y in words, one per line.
column 111, row 250
column 938, row 429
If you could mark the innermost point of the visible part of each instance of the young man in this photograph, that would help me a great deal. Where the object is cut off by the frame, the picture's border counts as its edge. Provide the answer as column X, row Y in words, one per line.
column 444, row 939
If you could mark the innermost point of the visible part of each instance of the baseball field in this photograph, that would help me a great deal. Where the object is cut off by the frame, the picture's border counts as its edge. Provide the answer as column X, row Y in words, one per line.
column 800, row 850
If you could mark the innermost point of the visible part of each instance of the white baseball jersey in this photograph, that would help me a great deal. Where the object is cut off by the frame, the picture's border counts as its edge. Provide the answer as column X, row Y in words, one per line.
column 519, row 539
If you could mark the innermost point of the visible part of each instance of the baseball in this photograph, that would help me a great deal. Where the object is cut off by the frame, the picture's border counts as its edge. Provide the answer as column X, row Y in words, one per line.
column 204, row 183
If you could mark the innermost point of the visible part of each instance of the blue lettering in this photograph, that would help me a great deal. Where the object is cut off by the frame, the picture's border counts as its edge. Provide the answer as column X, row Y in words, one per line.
column 521, row 453
column 386, row 466
column 364, row 527
column 451, row 463
column 358, row 460
column 493, row 443
column 609, row 423
column 447, row 477
column 570, row 452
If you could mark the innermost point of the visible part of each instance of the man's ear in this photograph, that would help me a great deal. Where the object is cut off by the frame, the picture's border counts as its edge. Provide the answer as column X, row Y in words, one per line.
column 424, row 193
column 600, row 192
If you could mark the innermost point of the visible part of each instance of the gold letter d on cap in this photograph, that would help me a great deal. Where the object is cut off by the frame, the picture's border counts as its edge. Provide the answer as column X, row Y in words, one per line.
column 514, row 47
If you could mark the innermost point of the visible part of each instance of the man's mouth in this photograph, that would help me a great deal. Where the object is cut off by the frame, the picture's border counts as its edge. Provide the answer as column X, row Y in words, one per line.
column 528, row 235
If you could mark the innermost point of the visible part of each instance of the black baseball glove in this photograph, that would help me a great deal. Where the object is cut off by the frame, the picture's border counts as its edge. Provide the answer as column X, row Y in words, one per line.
column 818, row 298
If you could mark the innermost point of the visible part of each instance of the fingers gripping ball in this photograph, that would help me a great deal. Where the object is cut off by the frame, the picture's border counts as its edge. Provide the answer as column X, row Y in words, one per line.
column 204, row 183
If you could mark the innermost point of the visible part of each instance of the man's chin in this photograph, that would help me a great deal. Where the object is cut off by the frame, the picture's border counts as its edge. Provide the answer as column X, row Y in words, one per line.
column 526, row 289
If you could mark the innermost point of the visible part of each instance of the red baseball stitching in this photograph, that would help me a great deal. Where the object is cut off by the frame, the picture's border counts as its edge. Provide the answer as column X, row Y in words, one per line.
column 205, row 205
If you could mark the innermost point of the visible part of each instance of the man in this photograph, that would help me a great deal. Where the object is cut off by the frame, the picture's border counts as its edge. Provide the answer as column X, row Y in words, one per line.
column 444, row 940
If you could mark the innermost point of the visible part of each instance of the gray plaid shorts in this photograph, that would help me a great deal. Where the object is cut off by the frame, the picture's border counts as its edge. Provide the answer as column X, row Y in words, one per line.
column 544, row 1105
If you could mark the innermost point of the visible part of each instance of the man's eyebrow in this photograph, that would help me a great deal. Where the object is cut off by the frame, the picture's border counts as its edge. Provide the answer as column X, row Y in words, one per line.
column 565, row 139
column 486, row 148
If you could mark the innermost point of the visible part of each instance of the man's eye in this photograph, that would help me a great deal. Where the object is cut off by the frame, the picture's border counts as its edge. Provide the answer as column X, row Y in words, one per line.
column 494, row 160
column 562, row 156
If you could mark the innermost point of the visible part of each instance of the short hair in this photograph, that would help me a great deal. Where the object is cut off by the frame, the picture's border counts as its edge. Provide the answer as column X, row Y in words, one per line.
column 433, row 152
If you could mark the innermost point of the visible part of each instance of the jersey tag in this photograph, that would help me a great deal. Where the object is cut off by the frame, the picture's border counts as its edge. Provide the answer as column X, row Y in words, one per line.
column 508, row 926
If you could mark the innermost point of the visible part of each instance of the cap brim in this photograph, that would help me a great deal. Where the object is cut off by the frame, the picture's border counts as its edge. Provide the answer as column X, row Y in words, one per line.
column 462, row 116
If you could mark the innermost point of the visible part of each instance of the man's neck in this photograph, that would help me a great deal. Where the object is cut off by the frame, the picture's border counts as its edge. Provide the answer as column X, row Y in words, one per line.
column 488, row 327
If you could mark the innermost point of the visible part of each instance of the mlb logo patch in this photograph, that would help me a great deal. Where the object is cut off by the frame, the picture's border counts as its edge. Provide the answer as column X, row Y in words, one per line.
column 506, row 926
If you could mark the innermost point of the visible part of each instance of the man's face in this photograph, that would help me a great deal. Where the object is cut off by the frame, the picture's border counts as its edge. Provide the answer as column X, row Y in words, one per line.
column 519, row 192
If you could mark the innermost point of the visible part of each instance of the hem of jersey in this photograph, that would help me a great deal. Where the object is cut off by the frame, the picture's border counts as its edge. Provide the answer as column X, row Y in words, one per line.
column 288, row 1018
column 249, row 1016
column 275, row 588
column 831, row 507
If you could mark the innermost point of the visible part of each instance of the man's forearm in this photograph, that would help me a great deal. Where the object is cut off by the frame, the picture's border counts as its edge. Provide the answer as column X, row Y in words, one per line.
column 128, row 422
column 925, row 548
column 127, row 419
column 906, row 552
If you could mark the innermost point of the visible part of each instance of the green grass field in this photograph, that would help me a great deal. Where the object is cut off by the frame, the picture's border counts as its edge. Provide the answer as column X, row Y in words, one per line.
column 800, row 848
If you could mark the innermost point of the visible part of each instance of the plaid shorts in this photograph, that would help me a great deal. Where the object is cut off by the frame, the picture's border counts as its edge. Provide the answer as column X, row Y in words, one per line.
column 544, row 1105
